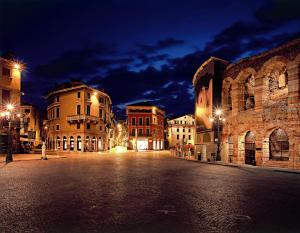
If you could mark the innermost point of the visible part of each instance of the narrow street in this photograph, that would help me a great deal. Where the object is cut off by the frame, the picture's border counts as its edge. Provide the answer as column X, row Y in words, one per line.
column 144, row 192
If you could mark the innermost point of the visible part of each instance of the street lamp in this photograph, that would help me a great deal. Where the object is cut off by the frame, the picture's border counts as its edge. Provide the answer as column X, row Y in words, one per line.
column 218, row 119
column 8, row 114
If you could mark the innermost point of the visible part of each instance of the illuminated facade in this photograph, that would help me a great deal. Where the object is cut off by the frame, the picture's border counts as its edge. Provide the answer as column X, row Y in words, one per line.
column 10, row 93
column 145, row 126
column 181, row 130
column 79, row 118
column 261, row 100
column 207, row 83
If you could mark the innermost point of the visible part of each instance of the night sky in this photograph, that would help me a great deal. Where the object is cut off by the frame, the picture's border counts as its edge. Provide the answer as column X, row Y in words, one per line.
column 137, row 50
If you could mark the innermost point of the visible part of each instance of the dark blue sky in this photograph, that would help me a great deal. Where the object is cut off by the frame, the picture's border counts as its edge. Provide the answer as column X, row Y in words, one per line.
column 137, row 50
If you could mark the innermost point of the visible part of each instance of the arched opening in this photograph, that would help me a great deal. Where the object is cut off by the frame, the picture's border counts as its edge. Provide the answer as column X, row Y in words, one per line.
column 65, row 143
column 249, row 101
column 79, row 143
column 250, row 148
column 94, row 143
column 227, row 94
column 71, row 143
column 279, row 145
column 230, row 149
column 57, row 143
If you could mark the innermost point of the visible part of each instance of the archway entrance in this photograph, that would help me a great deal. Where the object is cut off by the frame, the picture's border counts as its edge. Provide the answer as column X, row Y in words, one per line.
column 79, row 143
column 250, row 148
column 100, row 144
column 279, row 145
column 65, row 143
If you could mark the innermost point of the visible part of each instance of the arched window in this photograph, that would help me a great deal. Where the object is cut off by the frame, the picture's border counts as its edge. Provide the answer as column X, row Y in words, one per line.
column 71, row 143
column 94, row 141
column 78, row 143
column 65, row 143
column 58, row 143
column 279, row 145
column 249, row 93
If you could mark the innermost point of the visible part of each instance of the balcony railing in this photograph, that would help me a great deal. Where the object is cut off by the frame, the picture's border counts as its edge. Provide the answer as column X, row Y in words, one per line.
column 83, row 118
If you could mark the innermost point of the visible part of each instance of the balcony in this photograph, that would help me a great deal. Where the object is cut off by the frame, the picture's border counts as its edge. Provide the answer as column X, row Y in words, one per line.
column 83, row 118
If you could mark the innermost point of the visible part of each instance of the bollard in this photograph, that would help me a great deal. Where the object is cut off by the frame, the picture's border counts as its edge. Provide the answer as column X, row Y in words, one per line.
column 44, row 156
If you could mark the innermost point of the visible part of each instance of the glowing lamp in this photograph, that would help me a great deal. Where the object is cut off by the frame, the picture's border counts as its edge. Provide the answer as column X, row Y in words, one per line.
column 218, row 112
column 10, row 107
column 17, row 66
column 211, row 119
column 19, row 115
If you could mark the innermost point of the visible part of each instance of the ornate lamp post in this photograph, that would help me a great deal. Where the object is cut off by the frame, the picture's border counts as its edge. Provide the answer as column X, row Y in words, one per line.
column 218, row 119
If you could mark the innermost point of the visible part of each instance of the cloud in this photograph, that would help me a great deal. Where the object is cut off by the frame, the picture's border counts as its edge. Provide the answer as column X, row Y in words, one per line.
column 159, row 45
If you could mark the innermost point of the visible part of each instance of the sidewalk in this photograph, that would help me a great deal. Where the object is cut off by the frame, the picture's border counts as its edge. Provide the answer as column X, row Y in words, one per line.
column 221, row 163
column 28, row 157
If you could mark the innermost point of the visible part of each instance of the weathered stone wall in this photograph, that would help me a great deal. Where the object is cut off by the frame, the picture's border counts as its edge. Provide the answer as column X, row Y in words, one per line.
column 276, row 81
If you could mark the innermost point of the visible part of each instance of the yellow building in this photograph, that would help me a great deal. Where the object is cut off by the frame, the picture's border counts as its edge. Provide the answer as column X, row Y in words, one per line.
column 10, row 83
column 79, row 118
column 10, row 93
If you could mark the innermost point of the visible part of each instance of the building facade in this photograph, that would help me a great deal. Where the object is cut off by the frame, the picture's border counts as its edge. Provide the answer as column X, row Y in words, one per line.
column 79, row 118
column 181, row 130
column 10, row 93
column 145, row 126
column 207, row 83
column 30, row 126
column 261, row 99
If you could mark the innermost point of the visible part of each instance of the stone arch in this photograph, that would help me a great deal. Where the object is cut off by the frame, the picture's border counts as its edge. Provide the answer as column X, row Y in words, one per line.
column 244, row 148
column 267, row 143
column 227, row 94
column 245, row 89
column 275, row 80
column 79, row 143
column 279, row 145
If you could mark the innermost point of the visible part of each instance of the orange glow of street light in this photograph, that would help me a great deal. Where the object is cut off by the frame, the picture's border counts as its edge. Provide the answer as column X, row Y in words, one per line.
column 17, row 66
column 218, row 112
column 10, row 107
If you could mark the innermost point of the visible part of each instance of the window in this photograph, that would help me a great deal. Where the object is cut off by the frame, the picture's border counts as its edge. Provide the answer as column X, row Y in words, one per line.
column 133, row 132
column 140, row 121
column 177, row 137
column 140, row 132
column 101, row 100
column 5, row 96
column 78, row 126
column 57, row 112
column 147, row 121
column 57, row 98
column 189, row 137
column 100, row 127
column 57, row 127
column 133, row 120
column 6, row 72
column 147, row 132
column 183, row 130
column 89, row 95
column 78, row 95
column 88, row 110
column 177, row 130
column 27, row 110
column 183, row 136
column 185, row 122
column 88, row 125
column 101, row 113
column 78, row 109
column 189, row 130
